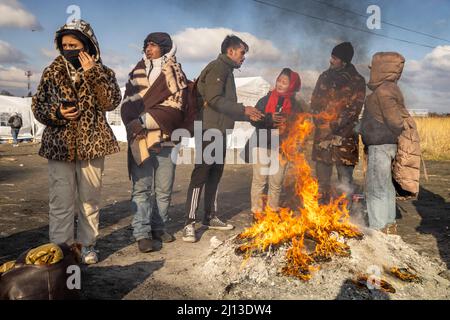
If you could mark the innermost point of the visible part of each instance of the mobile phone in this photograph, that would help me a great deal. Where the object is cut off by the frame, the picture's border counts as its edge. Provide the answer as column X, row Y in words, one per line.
column 69, row 104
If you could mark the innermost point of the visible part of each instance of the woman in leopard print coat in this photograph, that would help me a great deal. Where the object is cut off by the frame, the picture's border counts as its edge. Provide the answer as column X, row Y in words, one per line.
column 72, row 98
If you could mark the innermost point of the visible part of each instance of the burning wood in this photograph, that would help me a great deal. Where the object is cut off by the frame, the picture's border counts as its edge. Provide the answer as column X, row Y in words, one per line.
column 404, row 275
column 326, row 224
column 363, row 281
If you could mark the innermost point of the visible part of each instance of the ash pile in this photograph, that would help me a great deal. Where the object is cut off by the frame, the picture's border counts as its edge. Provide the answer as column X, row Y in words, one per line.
column 378, row 267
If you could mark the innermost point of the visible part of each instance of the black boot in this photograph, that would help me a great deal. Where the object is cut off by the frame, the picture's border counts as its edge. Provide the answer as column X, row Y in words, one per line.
column 145, row 245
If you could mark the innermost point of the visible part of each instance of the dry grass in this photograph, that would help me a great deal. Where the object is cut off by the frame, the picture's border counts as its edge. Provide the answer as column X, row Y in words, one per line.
column 434, row 137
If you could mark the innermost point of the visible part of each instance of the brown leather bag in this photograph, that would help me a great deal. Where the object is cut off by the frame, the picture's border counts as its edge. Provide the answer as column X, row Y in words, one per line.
column 40, row 282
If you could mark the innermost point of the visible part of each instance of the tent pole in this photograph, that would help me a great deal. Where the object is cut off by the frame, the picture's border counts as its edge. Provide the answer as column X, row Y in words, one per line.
column 32, row 126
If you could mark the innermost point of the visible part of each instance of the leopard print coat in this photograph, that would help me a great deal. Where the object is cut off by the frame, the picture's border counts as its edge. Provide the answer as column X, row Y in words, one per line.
column 96, row 91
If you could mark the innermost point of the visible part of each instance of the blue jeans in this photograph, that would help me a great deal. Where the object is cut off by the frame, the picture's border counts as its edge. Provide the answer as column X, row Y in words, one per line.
column 152, row 192
column 15, row 134
column 380, row 190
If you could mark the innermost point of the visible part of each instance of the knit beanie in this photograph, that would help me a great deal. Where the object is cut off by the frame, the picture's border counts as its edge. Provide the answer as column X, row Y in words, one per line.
column 344, row 51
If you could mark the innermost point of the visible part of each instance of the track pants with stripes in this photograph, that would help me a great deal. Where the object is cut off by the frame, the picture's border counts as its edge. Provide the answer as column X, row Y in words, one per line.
column 204, row 176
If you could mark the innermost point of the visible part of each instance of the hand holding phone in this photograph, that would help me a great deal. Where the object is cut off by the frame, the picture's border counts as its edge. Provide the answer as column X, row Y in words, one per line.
column 69, row 110
column 279, row 118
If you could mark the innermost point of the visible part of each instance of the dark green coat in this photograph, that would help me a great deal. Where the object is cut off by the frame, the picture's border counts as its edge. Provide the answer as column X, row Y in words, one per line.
column 218, row 95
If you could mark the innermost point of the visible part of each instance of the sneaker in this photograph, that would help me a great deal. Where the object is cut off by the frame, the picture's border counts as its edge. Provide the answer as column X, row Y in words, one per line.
column 163, row 236
column 89, row 255
column 189, row 233
column 217, row 224
column 145, row 245
column 15, row 145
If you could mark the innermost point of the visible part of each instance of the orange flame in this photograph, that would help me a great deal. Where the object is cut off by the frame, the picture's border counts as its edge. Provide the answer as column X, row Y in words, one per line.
column 325, row 224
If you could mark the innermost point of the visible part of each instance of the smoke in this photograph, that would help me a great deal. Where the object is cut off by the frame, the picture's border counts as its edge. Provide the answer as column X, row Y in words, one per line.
column 313, row 40
column 288, row 27
column 305, row 43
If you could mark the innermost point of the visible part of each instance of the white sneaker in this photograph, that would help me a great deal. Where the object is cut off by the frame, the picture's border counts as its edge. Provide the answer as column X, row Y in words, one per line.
column 189, row 233
column 89, row 255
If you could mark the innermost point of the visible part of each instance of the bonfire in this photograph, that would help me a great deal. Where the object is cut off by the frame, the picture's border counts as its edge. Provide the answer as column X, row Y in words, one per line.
column 326, row 226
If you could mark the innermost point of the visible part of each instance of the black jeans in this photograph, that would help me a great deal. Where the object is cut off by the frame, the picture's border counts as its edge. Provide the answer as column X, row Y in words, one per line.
column 208, row 176
column 345, row 179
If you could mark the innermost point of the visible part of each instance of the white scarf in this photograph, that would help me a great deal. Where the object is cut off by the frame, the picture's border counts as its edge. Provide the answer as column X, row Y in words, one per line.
column 153, row 67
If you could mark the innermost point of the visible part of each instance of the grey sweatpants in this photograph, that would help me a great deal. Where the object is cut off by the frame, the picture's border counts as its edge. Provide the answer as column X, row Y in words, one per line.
column 72, row 185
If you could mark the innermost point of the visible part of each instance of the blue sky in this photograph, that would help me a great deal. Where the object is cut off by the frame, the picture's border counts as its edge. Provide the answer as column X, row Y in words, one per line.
column 279, row 38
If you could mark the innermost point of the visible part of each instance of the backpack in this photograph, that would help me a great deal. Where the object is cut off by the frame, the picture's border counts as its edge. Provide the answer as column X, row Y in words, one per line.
column 17, row 122
column 191, row 108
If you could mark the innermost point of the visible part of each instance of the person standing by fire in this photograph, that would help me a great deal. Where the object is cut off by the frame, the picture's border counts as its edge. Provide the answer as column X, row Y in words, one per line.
column 72, row 99
column 219, row 111
column 278, row 106
column 152, row 109
column 337, row 101
column 391, row 138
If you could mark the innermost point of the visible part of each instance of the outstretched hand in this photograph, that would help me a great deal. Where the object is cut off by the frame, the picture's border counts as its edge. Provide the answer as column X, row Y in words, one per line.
column 253, row 114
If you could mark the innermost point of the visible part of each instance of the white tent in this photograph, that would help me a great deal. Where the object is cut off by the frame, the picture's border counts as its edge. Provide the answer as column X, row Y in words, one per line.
column 115, row 121
column 249, row 91
column 30, row 128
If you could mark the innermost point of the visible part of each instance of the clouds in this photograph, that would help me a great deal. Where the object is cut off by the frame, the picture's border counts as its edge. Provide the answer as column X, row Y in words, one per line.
column 13, row 60
column 14, row 77
column 203, row 44
column 119, row 63
column 428, row 81
column 49, row 53
column 10, row 54
column 432, row 72
column 438, row 59
column 14, row 15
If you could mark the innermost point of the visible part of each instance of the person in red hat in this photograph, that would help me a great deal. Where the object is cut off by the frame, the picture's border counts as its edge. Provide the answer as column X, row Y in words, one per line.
column 277, row 106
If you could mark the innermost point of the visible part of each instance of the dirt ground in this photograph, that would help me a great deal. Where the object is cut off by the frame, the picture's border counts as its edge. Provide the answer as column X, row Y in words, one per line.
column 172, row 272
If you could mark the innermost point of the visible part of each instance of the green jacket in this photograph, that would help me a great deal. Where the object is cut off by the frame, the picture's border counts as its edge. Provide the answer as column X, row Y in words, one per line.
column 218, row 94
